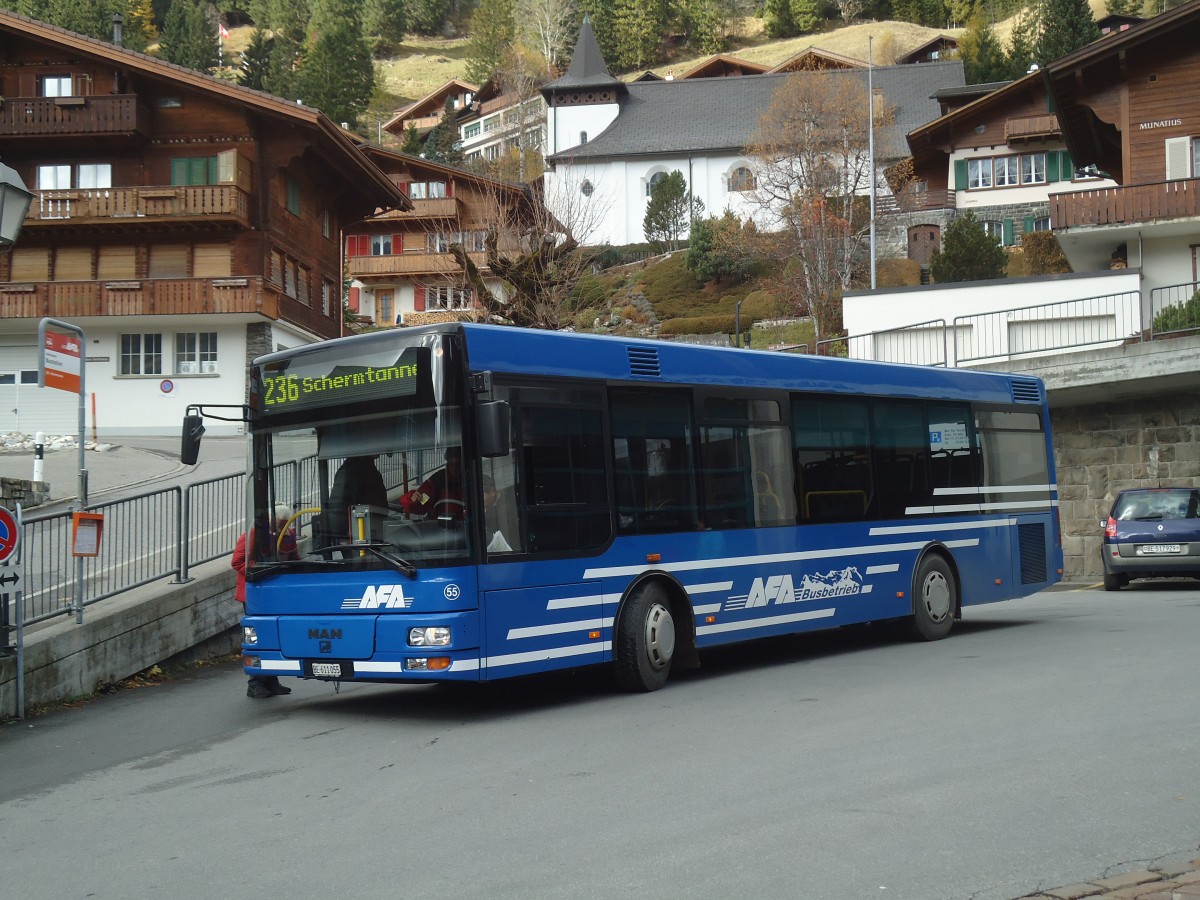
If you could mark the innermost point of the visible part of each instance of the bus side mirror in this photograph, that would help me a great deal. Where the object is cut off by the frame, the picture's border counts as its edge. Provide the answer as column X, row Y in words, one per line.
column 492, row 421
column 193, row 430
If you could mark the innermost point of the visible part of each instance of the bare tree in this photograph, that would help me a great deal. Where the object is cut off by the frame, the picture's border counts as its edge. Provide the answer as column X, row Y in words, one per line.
column 546, row 27
column 850, row 10
column 813, row 180
column 536, row 254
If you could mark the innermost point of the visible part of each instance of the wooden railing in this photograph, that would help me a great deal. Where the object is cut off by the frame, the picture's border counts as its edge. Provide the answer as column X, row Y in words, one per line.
column 140, row 202
column 914, row 201
column 436, row 208
column 1028, row 128
column 410, row 263
column 1126, row 205
column 138, row 297
column 35, row 116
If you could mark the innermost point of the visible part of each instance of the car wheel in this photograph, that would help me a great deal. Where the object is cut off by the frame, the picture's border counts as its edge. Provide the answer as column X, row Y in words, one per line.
column 645, row 640
column 1113, row 582
column 936, row 599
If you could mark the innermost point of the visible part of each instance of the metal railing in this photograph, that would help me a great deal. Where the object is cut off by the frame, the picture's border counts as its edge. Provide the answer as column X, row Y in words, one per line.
column 1060, row 326
column 1175, row 309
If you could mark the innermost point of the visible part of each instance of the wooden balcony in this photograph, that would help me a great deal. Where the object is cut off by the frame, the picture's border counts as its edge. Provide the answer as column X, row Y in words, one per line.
column 1126, row 205
column 163, row 297
column 223, row 204
column 1031, row 128
column 410, row 263
column 120, row 115
column 914, row 201
column 436, row 208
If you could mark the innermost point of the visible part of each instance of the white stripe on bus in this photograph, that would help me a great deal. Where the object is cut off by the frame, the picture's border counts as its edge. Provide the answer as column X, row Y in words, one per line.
column 996, row 489
column 575, row 602
column 558, row 628
column 517, row 659
column 933, row 526
column 880, row 570
column 980, row 507
column 708, row 588
column 746, row 624
column 797, row 556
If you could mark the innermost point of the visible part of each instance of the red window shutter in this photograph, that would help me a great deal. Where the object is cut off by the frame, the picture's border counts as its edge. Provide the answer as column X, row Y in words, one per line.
column 449, row 188
column 352, row 300
column 397, row 243
column 358, row 245
column 419, row 298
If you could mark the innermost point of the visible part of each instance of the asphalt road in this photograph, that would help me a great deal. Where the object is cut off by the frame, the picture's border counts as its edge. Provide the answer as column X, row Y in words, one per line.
column 1048, row 741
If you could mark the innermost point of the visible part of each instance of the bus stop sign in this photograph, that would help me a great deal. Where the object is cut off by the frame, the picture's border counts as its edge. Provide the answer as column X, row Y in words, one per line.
column 9, row 535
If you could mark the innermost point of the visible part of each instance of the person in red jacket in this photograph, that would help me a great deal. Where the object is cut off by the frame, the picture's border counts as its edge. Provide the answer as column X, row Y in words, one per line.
column 441, row 495
column 262, row 686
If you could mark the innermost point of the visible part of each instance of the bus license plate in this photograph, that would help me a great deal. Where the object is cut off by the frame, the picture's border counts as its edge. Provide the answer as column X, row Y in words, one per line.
column 331, row 669
column 1159, row 548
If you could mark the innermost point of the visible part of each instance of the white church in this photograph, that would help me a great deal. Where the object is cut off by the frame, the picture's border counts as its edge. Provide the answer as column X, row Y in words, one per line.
column 609, row 141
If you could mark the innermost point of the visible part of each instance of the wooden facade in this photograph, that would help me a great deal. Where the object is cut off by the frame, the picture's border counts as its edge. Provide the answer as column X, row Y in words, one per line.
column 403, row 271
column 162, row 191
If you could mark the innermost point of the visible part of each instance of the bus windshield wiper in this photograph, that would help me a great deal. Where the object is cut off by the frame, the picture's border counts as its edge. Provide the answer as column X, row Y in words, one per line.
column 379, row 550
column 255, row 572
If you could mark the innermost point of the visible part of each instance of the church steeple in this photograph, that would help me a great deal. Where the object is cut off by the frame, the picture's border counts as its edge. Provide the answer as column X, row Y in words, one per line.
column 587, row 75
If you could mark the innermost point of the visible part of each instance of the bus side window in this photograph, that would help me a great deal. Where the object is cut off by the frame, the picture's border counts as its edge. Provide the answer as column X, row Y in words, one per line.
column 833, row 462
column 652, row 455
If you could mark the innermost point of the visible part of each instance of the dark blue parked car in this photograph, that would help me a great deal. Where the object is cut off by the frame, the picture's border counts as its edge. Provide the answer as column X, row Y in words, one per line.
column 1151, row 532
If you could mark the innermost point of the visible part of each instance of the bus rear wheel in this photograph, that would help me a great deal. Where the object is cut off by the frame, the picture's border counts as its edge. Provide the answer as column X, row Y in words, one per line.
column 936, row 599
column 645, row 640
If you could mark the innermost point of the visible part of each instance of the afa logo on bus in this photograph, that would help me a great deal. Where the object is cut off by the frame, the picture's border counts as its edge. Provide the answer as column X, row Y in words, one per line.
column 381, row 596
column 780, row 589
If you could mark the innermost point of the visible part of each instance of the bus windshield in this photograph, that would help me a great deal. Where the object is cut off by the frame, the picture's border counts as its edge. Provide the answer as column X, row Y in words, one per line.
column 366, row 450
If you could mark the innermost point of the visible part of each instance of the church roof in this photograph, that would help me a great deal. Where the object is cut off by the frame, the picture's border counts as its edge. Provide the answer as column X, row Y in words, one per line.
column 587, row 69
column 709, row 115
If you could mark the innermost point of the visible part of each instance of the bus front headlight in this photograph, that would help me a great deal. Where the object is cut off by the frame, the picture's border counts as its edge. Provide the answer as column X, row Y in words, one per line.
column 437, row 636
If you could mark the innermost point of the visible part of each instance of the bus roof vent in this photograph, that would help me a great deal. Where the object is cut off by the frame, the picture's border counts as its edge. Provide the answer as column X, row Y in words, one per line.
column 643, row 362
column 1026, row 390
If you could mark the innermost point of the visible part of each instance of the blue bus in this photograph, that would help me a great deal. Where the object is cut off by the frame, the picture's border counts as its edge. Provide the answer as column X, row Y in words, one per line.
column 529, row 501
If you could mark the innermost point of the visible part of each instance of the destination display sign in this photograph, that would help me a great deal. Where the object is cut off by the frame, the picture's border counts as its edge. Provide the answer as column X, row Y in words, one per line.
column 323, row 381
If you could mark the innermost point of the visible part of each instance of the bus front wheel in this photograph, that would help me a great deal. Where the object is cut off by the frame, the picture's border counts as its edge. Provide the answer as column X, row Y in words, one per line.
column 645, row 640
column 936, row 600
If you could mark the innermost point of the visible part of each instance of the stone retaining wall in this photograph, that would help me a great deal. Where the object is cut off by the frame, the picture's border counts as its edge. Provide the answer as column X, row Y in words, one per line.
column 19, row 490
column 1105, row 448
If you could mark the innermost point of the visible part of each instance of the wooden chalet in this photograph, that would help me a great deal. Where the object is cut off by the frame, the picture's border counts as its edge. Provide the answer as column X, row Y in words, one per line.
column 187, row 224
column 426, row 113
column 401, row 268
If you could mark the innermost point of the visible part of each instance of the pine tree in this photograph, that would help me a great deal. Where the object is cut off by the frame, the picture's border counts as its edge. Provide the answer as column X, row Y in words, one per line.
column 968, row 253
column 385, row 20
column 638, row 26
column 492, row 32
column 338, row 74
column 979, row 48
column 442, row 144
column 428, row 16
column 412, row 141
column 1020, row 44
column 189, row 37
column 670, row 210
column 806, row 15
column 779, row 19
column 1066, row 25
column 256, row 61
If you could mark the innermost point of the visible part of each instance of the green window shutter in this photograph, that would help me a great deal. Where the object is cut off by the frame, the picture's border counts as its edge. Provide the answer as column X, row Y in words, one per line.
column 960, row 174
column 1052, row 166
column 179, row 171
column 1008, row 232
column 1066, row 167
column 213, row 173
column 1028, row 225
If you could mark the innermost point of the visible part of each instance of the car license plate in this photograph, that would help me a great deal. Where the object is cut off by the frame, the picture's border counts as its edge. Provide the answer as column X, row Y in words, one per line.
column 1157, row 549
column 340, row 669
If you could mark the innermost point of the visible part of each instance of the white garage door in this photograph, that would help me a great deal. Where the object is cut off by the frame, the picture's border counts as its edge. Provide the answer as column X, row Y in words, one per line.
column 25, row 407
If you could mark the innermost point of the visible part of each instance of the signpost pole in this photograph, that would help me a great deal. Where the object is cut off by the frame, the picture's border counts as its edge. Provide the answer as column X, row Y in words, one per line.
column 60, row 364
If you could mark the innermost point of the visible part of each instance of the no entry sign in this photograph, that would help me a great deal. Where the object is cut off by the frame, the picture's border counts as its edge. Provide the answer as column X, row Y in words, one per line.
column 9, row 534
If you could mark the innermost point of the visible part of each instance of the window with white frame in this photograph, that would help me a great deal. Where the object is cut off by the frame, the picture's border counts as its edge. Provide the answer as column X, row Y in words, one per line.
column 57, row 86
column 447, row 297
column 93, row 175
column 438, row 243
column 471, row 131
column 196, row 353
column 437, row 189
column 1007, row 171
column 741, row 179
column 994, row 229
column 1033, row 168
column 416, row 190
column 141, row 354
column 53, row 178
column 1042, row 223
column 381, row 245
column 979, row 173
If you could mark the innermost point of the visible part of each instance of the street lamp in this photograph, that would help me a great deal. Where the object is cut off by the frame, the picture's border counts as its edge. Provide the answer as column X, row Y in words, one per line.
column 737, row 324
column 14, row 204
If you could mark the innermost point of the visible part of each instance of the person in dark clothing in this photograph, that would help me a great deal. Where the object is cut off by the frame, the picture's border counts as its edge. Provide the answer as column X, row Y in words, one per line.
column 357, row 483
column 441, row 494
